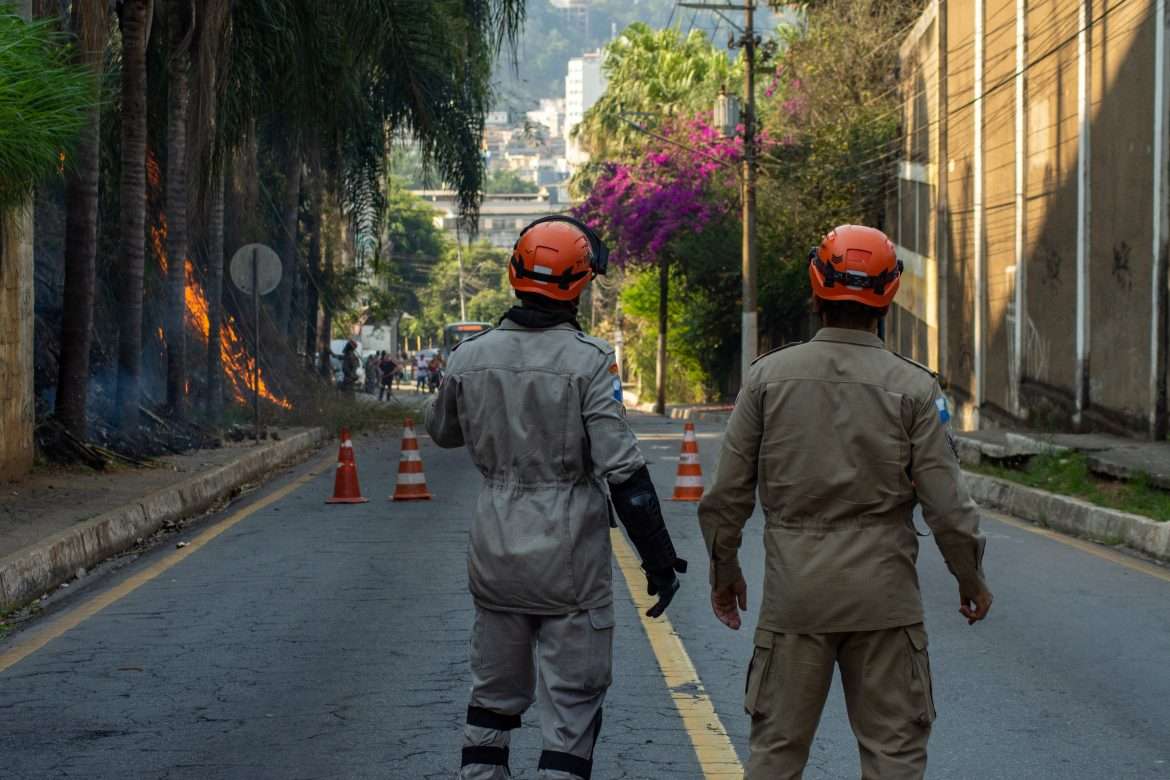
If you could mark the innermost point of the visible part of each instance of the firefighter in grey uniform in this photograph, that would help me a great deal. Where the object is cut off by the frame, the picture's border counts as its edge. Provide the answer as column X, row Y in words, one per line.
column 842, row 437
column 538, row 405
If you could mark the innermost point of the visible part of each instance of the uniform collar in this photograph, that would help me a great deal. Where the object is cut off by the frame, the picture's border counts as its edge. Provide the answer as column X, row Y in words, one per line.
column 507, row 324
column 861, row 338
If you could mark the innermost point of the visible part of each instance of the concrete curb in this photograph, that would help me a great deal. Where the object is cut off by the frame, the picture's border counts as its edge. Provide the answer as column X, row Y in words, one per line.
column 40, row 567
column 1071, row 515
column 719, row 413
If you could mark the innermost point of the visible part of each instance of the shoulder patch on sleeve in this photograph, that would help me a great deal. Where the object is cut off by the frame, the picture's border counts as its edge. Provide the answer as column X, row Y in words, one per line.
column 601, row 345
column 472, row 337
column 776, row 349
column 915, row 363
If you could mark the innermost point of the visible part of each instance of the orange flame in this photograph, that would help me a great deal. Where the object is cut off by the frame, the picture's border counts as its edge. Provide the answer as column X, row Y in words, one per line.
column 233, row 354
column 235, row 358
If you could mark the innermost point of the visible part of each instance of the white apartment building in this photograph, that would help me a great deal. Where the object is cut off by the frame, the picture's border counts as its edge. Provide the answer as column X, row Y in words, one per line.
column 584, row 84
column 549, row 116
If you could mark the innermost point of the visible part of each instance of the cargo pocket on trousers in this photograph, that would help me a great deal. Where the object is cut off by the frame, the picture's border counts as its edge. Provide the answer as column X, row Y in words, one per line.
column 921, row 687
column 753, row 703
column 599, row 661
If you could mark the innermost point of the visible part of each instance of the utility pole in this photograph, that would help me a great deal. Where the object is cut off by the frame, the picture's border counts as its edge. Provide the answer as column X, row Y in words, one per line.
column 750, row 335
column 748, row 41
column 459, row 257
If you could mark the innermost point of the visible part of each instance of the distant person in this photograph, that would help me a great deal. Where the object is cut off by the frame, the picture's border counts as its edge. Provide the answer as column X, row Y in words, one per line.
column 841, row 437
column 350, row 363
column 401, row 360
column 372, row 377
column 388, row 371
column 420, row 371
column 434, row 372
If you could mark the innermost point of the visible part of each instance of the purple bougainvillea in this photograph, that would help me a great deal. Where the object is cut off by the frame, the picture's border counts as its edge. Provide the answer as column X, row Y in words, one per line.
column 680, row 185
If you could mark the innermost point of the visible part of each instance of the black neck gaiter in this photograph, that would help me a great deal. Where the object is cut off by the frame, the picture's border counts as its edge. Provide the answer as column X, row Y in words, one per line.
column 536, row 311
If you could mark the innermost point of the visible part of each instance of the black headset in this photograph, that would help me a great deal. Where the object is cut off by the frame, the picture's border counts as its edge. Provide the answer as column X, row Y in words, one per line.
column 599, row 253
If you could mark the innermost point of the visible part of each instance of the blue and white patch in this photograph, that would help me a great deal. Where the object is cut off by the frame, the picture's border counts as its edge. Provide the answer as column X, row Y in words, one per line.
column 944, row 414
column 617, row 389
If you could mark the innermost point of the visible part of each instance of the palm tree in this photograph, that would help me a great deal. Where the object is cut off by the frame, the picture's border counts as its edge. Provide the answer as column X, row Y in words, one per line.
column 651, row 75
column 133, row 208
column 178, row 98
column 89, row 23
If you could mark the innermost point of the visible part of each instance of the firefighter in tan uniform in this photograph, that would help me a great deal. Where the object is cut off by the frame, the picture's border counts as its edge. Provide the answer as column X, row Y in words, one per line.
column 842, row 437
column 538, row 405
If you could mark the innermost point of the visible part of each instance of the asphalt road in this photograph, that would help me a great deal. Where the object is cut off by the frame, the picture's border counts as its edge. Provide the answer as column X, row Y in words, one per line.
column 314, row 641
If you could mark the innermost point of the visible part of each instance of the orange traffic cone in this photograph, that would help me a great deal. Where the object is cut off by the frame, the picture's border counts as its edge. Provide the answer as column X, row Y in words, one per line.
column 412, row 483
column 345, row 483
column 688, row 485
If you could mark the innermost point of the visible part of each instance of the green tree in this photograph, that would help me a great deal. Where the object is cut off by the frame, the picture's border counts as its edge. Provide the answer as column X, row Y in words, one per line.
column 652, row 75
column 486, row 292
column 89, row 24
column 507, row 182
column 133, row 15
column 835, row 124
column 44, row 102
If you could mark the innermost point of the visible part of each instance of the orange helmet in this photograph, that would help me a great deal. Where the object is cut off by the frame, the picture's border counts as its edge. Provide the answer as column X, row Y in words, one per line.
column 855, row 263
column 556, row 256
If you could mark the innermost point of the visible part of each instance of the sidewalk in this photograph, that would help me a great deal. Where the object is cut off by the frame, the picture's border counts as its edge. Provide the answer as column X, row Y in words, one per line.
column 60, row 521
column 1105, row 456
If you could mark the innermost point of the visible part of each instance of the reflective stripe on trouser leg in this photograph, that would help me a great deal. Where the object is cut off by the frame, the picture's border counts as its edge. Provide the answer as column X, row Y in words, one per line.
column 575, row 653
column 503, row 678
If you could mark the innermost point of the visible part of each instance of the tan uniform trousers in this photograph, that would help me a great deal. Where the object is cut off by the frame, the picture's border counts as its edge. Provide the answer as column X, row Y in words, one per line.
column 574, row 656
column 886, row 677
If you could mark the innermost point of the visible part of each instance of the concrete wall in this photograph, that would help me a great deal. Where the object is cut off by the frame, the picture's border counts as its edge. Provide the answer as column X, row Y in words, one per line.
column 1051, row 270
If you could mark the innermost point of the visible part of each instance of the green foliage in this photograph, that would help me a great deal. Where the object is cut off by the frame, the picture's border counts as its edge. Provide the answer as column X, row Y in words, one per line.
column 487, row 294
column 652, row 75
column 834, row 125
column 688, row 348
column 1069, row 475
column 44, row 98
column 507, row 182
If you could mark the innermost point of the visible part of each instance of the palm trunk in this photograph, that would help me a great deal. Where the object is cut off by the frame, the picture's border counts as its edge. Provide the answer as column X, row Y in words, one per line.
column 288, row 237
column 133, row 208
column 81, row 227
column 313, row 280
column 660, row 367
column 178, row 96
column 215, row 261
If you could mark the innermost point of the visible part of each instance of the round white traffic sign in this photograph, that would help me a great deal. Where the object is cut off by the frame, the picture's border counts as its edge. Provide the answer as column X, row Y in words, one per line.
column 259, row 262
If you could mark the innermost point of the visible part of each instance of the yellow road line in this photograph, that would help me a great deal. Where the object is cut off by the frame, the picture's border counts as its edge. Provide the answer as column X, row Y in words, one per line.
column 717, row 757
column 34, row 640
column 1121, row 559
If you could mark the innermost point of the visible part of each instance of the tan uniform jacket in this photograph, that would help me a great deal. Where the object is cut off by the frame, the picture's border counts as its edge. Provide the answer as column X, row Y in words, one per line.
column 539, row 412
column 843, row 438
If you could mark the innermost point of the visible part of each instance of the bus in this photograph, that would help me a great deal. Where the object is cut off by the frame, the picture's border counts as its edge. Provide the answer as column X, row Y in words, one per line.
column 457, row 331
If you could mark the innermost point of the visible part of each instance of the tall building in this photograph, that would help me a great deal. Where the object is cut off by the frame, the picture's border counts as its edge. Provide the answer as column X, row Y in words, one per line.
column 584, row 84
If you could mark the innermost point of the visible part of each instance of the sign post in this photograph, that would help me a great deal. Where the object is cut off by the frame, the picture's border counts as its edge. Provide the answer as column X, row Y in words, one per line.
column 255, row 269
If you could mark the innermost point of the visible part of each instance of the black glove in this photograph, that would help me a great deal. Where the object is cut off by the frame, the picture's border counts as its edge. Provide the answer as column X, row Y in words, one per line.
column 664, row 584
column 636, row 504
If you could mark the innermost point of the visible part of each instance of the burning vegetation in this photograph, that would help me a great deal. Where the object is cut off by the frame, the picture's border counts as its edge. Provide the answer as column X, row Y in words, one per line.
column 238, row 362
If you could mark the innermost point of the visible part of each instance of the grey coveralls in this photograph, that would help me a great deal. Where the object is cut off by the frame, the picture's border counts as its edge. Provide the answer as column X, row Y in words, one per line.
column 540, row 412
column 843, row 437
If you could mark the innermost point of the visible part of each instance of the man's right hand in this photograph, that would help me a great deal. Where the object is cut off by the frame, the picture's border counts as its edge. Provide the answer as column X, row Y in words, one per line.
column 728, row 601
column 975, row 606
